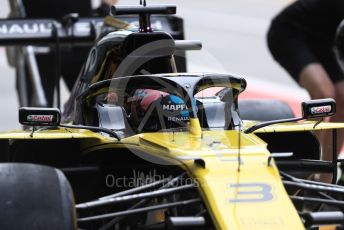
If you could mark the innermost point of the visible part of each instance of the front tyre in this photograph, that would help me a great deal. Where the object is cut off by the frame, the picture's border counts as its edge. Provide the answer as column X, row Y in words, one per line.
column 35, row 197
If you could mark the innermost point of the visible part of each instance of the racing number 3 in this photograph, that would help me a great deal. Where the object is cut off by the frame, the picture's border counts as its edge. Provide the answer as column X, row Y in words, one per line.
column 251, row 192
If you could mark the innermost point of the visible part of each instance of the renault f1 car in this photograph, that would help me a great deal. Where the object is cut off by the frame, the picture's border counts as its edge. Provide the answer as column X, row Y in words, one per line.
column 141, row 146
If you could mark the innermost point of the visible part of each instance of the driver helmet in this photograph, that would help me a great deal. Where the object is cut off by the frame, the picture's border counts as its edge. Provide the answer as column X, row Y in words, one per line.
column 153, row 110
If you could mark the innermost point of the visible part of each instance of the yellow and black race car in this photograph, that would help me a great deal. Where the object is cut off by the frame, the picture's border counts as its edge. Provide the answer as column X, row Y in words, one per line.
column 141, row 146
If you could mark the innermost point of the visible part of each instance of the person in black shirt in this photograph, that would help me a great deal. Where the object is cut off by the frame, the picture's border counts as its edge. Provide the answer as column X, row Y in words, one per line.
column 301, row 39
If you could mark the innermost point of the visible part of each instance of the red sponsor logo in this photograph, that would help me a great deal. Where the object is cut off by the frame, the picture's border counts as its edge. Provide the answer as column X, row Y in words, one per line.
column 40, row 118
column 321, row 109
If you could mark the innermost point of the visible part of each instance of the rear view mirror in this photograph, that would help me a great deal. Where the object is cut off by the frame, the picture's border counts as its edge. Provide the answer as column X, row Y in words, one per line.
column 310, row 109
column 318, row 108
column 39, row 116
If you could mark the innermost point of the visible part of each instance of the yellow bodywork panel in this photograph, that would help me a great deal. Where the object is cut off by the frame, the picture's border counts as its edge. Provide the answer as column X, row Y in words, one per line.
column 252, row 197
column 249, row 195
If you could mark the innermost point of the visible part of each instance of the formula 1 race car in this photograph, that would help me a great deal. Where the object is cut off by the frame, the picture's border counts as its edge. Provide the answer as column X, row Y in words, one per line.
column 142, row 146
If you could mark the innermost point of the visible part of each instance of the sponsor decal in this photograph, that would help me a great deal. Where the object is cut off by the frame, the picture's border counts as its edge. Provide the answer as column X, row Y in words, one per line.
column 321, row 109
column 43, row 28
column 40, row 118
column 176, row 112
column 25, row 28
column 178, row 118
column 174, row 107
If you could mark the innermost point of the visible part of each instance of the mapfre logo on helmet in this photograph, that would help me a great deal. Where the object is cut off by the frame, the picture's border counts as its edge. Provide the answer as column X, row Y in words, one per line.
column 40, row 118
column 174, row 107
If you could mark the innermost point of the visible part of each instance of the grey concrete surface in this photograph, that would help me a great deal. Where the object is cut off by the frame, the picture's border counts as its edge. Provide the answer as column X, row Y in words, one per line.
column 233, row 35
